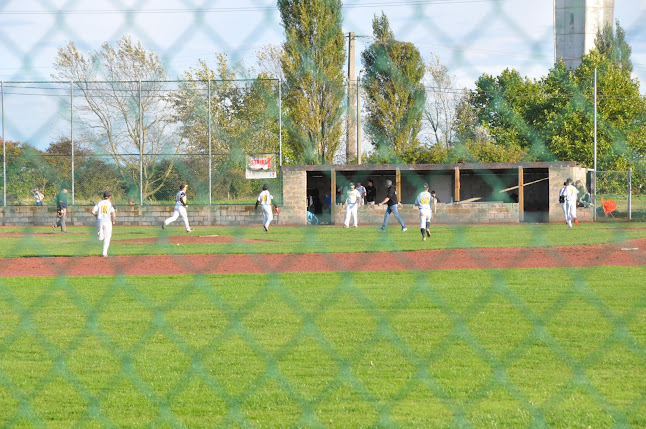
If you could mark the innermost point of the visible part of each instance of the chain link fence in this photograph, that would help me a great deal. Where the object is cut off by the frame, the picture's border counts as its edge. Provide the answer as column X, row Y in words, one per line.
column 140, row 139
column 360, row 344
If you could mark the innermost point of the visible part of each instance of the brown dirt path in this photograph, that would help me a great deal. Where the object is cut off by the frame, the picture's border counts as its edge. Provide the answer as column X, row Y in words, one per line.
column 628, row 253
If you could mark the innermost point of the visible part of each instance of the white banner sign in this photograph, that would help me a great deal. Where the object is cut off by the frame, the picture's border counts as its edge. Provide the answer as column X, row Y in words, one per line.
column 261, row 167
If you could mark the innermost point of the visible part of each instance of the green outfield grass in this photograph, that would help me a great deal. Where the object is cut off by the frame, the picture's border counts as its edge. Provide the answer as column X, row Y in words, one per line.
column 479, row 348
column 41, row 241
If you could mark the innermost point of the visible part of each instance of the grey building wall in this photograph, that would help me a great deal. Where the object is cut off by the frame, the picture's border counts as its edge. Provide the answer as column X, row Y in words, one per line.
column 576, row 23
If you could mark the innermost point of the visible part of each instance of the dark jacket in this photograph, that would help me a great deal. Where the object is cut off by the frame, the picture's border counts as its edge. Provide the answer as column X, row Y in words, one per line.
column 371, row 193
column 391, row 193
column 61, row 200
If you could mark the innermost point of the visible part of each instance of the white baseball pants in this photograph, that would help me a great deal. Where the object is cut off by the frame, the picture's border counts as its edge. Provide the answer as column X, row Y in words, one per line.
column 351, row 210
column 104, row 233
column 424, row 217
column 179, row 211
column 267, row 215
column 570, row 209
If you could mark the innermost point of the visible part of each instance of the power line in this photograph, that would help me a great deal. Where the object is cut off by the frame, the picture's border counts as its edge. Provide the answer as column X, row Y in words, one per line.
column 231, row 9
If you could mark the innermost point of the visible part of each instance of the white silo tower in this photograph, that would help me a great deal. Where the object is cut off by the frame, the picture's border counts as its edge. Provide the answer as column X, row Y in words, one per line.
column 576, row 23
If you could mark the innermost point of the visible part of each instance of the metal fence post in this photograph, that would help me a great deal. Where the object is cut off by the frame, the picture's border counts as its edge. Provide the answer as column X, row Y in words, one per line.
column 208, row 95
column 280, row 138
column 4, row 151
column 72, row 133
column 280, row 123
column 141, row 150
column 594, row 179
column 630, row 193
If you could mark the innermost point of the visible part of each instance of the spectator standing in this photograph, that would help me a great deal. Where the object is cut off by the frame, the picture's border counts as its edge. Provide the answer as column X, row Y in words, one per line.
column 371, row 193
column 352, row 201
column 61, row 211
column 106, row 216
column 180, row 208
column 362, row 192
column 582, row 195
column 392, row 203
column 38, row 196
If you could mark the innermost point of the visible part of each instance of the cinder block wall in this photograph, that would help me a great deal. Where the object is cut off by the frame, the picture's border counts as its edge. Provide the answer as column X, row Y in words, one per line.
column 446, row 213
column 137, row 215
column 294, row 210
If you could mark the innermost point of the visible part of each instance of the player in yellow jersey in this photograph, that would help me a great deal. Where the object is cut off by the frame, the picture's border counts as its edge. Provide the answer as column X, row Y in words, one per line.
column 427, row 204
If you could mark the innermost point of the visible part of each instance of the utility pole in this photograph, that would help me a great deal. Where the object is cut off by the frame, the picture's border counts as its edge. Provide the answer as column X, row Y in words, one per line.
column 351, row 136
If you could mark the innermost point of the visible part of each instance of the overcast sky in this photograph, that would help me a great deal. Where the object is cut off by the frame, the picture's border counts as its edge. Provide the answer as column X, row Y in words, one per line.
column 471, row 36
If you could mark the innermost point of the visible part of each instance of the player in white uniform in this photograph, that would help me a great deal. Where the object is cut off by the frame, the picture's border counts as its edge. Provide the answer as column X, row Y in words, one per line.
column 180, row 209
column 265, row 199
column 105, row 217
column 570, row 203
column 562, row 201
column 427, row 204
column 352, row 201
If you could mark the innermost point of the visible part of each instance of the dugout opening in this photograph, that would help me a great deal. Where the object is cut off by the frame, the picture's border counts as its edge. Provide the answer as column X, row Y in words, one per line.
column 527, row 185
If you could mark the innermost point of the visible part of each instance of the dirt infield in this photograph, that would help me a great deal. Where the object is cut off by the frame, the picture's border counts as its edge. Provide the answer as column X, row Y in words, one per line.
column 628, row 253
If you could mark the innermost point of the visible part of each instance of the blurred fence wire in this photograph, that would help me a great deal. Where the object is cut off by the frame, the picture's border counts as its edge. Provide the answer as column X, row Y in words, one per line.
column 141, row 139
column 416, row 347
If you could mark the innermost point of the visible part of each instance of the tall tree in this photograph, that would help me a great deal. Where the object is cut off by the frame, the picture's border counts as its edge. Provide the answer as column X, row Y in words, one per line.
column 614, row 45
column 505, row 105
column 119, row 115
column 394, row 91
column 314, row 54
column 442, row 98
column 620, row 117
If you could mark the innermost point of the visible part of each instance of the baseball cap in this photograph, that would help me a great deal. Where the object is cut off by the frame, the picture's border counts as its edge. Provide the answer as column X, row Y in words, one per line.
column 107, row 194
column 389, row 182
column 265, row 186
column 351, row 184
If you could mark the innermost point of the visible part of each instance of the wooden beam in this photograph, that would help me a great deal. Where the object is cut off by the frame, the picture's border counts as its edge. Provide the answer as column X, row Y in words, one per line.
column 526, row 184
column 456, row 191
column 398, row 183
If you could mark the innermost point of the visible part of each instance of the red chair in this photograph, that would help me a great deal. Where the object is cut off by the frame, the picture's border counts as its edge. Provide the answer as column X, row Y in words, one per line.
column 608, row 206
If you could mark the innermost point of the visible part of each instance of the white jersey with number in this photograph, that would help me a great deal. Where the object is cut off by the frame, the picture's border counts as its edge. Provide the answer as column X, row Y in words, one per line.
column 424, row 200
column 353, row 197
column 104, row 210
column 570, row 194
column 265, row 198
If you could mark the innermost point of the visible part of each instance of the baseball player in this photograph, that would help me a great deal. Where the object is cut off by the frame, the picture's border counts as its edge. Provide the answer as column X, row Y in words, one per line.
column 562, row 200
column 352, row 201
column 427, row 203
column 265, row 199
column 570, row 203
column 180, row 208
column 106, row 216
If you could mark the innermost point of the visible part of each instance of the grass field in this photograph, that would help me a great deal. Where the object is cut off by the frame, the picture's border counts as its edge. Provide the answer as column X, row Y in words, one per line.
column 559, row 347
column 81, row 241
